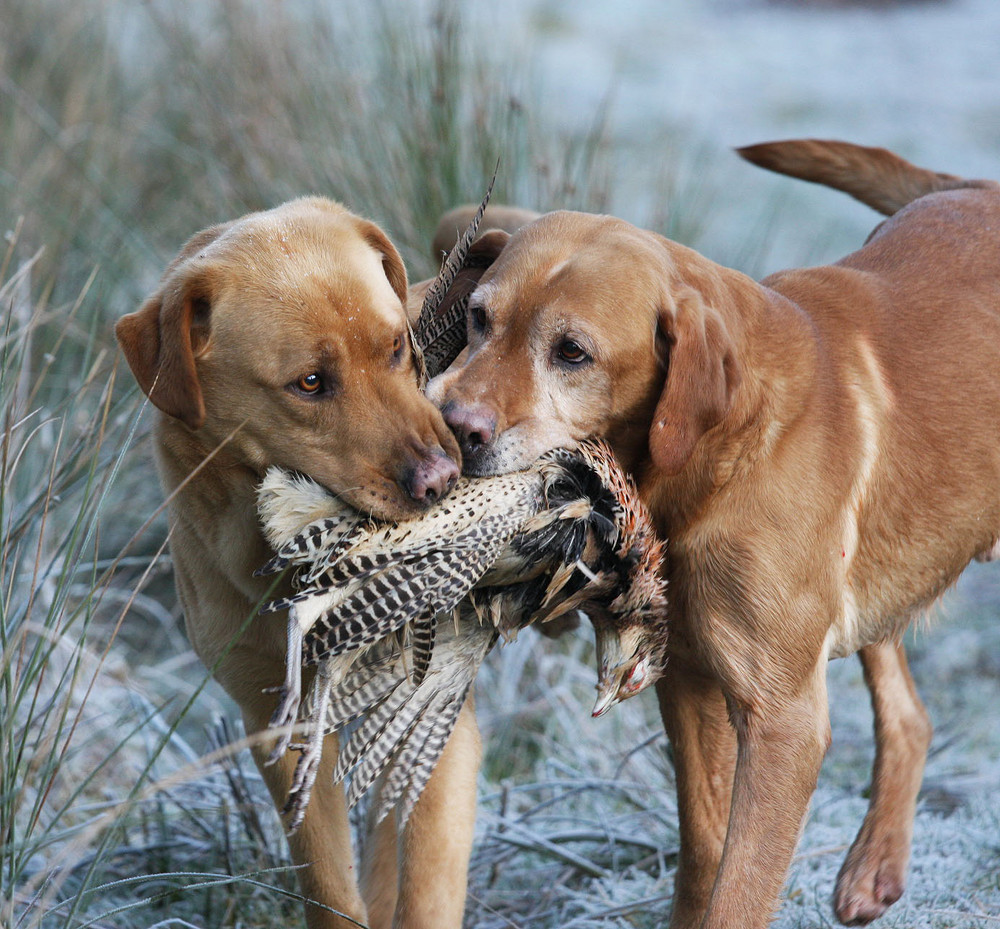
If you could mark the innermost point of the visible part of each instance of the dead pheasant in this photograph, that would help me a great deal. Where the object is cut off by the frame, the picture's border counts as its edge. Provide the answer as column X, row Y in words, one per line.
column 397, row 618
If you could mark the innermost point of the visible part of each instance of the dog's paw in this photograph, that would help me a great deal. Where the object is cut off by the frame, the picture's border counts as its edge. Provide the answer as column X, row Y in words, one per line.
column 867, row 888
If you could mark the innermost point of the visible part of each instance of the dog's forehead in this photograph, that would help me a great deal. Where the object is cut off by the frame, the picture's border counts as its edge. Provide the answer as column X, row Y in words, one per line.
column 566, row 234
column 311, row 308
column 314, row 271
column 573, row 267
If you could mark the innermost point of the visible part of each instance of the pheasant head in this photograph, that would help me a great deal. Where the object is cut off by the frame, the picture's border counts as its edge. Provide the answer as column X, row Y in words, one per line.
column 631, row 633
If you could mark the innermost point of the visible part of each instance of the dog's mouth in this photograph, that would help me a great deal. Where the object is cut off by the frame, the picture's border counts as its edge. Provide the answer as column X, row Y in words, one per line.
column 483, row 462
column 382, row 500
column 511, row 450
column 396, row 497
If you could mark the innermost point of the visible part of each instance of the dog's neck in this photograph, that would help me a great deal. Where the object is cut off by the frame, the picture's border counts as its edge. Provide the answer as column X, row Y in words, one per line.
column 764, row 403
column 219, row 516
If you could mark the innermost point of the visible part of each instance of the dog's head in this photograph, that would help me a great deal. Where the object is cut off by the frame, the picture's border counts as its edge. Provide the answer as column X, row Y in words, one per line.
column 284, row 336
column 587, row 326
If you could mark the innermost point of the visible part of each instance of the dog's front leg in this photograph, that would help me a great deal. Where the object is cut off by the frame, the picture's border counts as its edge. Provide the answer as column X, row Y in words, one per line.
column 421, row 882
column 704, row 751
column 321, row 846
column 782, row 736
column 874, row 873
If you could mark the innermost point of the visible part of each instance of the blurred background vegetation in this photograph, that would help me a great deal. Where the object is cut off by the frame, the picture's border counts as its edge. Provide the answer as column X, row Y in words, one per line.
column 126, row 126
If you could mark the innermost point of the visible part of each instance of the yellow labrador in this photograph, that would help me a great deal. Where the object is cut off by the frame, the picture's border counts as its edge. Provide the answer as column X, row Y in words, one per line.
column 281, row 339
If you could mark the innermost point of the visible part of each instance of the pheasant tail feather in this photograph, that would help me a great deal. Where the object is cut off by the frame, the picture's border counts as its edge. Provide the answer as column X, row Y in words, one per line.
column 436, row 337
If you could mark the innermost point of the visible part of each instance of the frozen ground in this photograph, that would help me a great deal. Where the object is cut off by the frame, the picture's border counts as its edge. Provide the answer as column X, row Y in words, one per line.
column 687, row 81
column 603, row 790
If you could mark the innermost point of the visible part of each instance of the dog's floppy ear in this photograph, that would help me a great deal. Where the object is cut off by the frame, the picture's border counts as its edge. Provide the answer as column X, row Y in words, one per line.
column 163, row 337
column 482, row 253
column 440, row 313
column 701, row 377
column 486, row 249
column 392, row 264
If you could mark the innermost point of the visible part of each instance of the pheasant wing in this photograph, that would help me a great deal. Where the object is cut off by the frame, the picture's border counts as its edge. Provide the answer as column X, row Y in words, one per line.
column 410, row 588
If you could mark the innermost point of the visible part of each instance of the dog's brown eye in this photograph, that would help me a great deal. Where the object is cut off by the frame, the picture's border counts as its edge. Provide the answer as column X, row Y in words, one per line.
column 477, row 316
column 397, row 348
column 571, row 352
column 309, row 383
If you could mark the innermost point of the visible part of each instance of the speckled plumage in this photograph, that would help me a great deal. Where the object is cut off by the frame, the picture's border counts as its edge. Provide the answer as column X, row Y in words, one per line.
column 400, row 620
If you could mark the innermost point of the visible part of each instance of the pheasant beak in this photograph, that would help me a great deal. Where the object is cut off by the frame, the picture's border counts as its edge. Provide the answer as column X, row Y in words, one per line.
column 620, row 684
column 607, row 697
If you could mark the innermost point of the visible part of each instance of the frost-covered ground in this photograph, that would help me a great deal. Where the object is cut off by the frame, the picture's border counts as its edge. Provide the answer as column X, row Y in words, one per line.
column 585, row 835
column 686, row 81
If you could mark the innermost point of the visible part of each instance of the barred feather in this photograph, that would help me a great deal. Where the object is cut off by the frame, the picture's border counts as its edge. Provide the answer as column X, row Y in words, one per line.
column 422, row 766
column 343, row 545
column 399, row 728
column 381, row 747
column 364, row 687
column 407, row 591
column 373, row 728
column 350, row 568
column 441, row 338
column 290, row 504
column 308, row 605
column 422, row 644
column 419, row 753
column 454, row 668
column 445, row 336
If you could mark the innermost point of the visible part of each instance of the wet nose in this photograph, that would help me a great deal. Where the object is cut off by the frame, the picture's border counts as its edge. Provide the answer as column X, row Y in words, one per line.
column 433, row 476
column 473, row 424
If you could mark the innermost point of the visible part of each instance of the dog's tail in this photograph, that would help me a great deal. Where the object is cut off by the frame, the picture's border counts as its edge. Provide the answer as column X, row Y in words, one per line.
column 875, row 176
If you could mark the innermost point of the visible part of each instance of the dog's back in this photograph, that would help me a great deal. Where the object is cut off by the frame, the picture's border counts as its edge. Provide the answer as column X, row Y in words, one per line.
column 919, row 363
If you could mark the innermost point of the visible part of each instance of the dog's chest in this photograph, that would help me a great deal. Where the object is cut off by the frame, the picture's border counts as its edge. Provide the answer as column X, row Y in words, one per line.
column 852, row 628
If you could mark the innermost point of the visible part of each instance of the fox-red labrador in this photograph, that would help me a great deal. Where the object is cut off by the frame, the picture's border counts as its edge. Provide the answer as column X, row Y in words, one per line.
column 822, row 452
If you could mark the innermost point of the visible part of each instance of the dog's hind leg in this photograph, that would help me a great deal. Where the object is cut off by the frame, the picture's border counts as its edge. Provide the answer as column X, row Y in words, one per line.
column 874, row 874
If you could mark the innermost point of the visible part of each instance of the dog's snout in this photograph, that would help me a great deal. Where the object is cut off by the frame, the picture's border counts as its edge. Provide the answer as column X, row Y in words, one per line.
column 474, row 425
column 433, row 476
